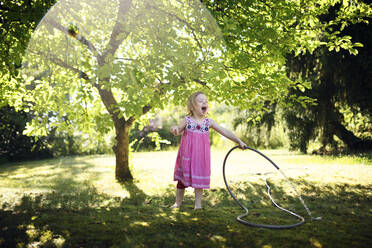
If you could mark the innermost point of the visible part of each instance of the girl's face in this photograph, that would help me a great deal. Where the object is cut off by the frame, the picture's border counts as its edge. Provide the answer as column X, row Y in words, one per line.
column 201, row 105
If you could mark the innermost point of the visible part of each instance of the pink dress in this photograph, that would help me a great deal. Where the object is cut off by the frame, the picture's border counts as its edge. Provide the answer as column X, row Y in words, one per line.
column 193, row 164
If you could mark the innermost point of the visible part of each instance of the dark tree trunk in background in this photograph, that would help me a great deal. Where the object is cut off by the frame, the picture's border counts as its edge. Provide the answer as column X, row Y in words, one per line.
column 348, row 137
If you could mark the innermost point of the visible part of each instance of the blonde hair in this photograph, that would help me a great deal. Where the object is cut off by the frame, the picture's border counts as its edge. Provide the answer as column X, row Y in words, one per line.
column 191, row 101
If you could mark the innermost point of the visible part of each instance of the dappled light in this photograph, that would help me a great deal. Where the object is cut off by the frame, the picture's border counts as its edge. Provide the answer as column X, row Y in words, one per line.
column 77, row 210
column 130, row 221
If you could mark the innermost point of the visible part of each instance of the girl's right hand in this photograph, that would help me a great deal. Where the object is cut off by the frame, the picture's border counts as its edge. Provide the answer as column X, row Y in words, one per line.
column 174, row 130
column 177, row 130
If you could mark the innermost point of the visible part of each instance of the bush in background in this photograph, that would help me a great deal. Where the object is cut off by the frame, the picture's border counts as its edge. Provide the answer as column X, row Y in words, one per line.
column 14, row 145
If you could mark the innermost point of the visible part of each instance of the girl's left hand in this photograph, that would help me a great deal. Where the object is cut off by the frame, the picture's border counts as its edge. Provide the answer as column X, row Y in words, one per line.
column 242, row 145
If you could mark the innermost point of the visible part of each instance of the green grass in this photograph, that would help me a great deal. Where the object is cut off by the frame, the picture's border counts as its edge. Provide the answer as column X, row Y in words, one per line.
column 76, row 202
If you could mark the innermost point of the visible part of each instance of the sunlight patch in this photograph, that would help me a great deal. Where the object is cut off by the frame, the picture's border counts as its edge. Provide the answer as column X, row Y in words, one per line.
column 218, row 238
column 139, row 223
column 315, row 243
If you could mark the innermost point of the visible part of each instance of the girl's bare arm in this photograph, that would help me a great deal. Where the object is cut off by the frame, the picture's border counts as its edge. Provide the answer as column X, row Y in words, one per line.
column 177, row 130
column 227, row 133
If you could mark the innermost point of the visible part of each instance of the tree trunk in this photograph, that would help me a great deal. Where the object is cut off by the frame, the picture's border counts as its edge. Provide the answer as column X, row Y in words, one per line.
column 348, row 137
column 352, row 142
column 121, row 150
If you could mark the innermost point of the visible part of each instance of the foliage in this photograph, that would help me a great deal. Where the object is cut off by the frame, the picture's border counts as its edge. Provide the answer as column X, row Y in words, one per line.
column 290, row 26
column 341, row 85
column 144, row 67
column 357, row 121
column 154, row 136
column 16, row 146
column 259, row 35
column 17, row 21
column 66, row 144
column 260, row 130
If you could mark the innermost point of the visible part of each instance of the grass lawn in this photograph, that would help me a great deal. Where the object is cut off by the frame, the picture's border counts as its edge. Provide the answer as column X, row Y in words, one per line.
column 76, row 202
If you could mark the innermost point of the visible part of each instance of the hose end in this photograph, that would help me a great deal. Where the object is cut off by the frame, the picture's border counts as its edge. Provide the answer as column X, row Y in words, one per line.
column 316, row 218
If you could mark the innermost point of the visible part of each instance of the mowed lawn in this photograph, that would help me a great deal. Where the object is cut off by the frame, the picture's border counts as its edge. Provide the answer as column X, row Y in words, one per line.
column 76, row 202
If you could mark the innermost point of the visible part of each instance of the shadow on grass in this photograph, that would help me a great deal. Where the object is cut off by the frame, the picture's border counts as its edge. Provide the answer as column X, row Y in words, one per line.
column 80, row 216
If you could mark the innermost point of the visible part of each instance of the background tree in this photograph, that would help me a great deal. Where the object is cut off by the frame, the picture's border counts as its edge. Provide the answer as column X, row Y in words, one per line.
column 342, row 86
column 296, row 37
column 17, row 21
column 260, row 34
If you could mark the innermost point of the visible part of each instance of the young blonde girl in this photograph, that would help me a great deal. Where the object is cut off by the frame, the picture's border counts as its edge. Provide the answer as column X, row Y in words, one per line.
column 192, row 167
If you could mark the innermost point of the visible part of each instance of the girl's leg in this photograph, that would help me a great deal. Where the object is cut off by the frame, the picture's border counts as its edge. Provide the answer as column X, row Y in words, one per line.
column 198, row 198
column 179, row 195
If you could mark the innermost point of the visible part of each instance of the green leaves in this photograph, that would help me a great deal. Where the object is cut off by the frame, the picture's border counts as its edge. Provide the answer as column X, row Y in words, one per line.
column 259, row 34
column 155, row 137
column 156, row 52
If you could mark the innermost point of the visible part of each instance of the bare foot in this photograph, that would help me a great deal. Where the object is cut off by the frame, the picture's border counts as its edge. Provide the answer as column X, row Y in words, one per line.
column 175, row 206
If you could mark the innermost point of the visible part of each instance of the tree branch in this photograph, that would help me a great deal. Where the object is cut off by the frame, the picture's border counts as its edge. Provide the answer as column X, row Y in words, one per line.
column 63, row 64
column 114, row 42
column 68, row 32
column 201, row 82
column 107, row 96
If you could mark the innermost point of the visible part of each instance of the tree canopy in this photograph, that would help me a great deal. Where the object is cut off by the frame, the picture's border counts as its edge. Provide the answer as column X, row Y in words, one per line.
column 260, row 34
column 132, row 56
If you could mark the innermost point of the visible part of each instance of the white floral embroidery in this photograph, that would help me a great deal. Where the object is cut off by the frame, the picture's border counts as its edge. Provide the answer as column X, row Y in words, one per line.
column 193, row 126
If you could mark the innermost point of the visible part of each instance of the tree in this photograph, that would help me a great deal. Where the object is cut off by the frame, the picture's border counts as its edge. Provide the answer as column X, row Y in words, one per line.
column 260, row 34
column 341, row 85
column 97, row 67
column 297, row 28
column 132, row 56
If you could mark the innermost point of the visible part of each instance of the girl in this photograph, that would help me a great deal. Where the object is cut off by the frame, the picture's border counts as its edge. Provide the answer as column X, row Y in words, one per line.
column 193, row 159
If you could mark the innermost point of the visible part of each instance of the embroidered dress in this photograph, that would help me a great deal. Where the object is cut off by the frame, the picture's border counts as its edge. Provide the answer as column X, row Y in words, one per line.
column 193, row 166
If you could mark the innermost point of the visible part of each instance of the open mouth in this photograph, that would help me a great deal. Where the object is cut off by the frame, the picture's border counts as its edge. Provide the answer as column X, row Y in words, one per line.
column 204, row 109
